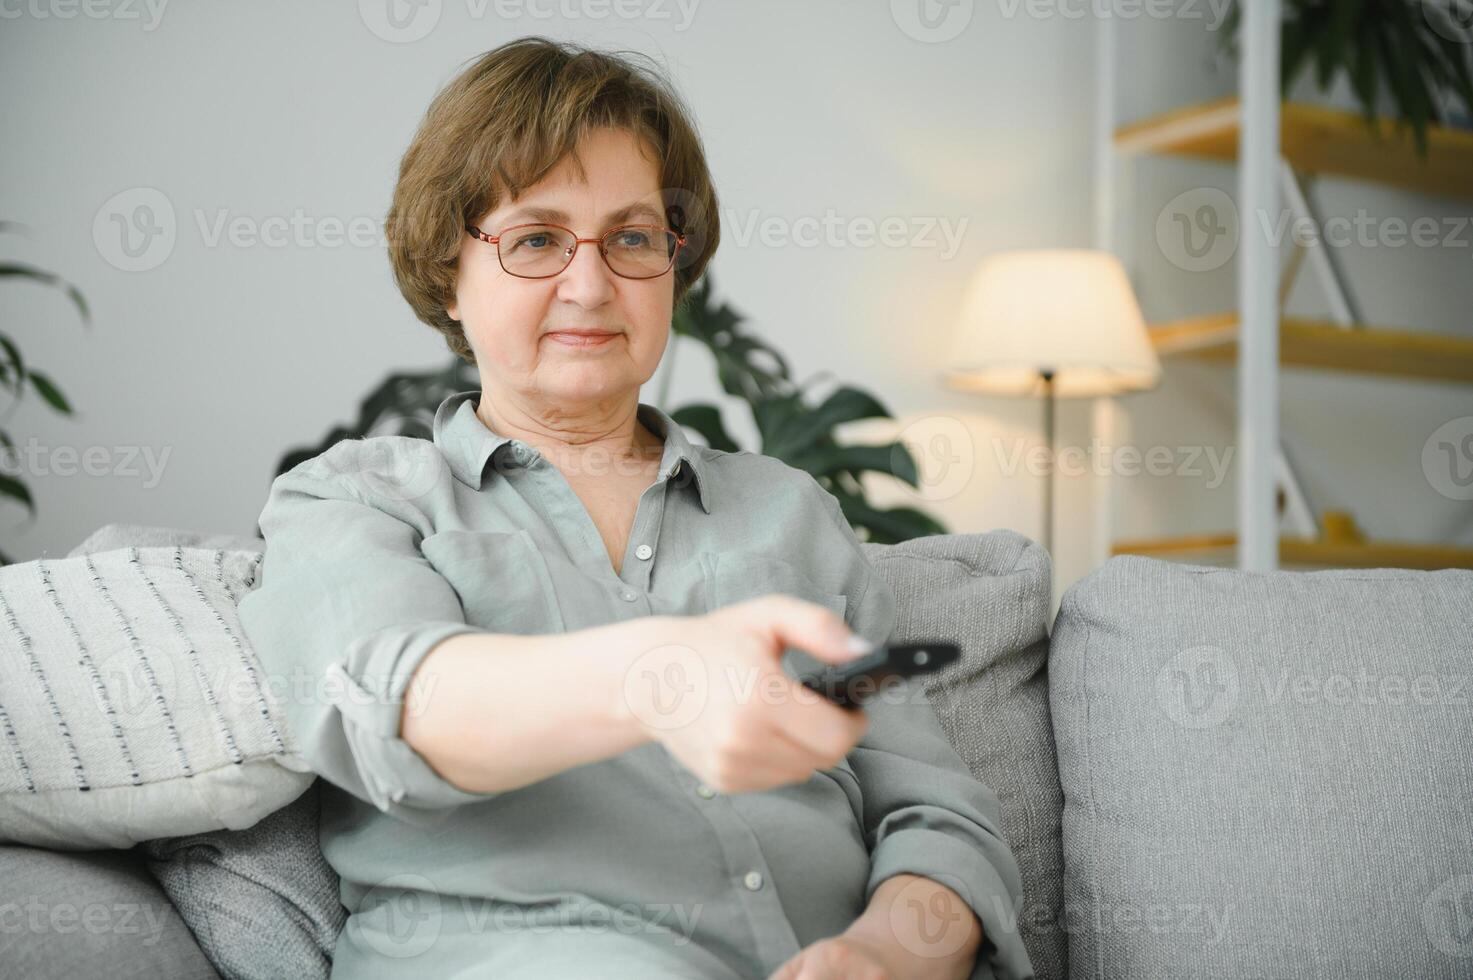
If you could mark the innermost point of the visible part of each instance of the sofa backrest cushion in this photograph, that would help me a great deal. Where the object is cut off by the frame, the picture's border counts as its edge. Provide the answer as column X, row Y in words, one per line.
column 990, row 593
column 1266, row 774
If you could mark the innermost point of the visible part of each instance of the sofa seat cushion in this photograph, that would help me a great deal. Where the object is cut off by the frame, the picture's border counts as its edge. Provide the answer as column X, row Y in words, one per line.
column 1266, row 775
column 90, row 914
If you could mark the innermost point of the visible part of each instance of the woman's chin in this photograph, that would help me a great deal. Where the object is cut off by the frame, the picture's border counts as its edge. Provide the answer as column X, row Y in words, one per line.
column 578, row 383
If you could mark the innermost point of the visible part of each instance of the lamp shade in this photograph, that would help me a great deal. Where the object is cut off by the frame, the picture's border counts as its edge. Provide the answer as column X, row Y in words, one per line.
column 1067, row 311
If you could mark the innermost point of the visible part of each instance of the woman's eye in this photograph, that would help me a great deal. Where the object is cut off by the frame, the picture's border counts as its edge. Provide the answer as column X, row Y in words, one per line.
column 529, row 241
column 632, row 239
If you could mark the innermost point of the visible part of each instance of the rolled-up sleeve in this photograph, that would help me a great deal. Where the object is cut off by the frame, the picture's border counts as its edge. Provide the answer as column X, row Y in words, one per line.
column 924, row 812
column 345, row 609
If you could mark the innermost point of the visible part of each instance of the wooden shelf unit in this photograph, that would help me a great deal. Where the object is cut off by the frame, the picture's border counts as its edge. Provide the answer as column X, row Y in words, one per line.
column 1317, row 139
column 1310, row 551
column 1321, row 344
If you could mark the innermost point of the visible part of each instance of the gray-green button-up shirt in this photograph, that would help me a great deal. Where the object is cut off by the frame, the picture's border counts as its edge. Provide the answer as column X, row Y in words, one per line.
column 379, row 548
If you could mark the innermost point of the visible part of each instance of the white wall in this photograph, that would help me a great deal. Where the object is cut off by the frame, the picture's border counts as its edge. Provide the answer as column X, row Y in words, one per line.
column 224, row 355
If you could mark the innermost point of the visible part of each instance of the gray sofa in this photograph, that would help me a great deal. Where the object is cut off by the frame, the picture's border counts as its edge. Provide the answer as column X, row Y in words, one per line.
column 1203, row 773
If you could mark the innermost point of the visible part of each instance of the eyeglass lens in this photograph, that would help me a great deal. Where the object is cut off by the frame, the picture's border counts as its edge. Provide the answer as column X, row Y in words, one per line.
column 636, row 252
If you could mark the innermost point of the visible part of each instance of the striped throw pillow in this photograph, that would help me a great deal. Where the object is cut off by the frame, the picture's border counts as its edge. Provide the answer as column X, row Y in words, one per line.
column 131, row 704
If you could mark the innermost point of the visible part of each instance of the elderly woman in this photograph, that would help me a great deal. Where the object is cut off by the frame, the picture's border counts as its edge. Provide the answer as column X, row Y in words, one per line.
column 539, row 660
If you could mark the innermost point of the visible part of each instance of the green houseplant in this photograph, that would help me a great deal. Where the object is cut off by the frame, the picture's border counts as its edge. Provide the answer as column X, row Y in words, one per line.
column 17, row 377
column 790, row 428
column 1416, row 50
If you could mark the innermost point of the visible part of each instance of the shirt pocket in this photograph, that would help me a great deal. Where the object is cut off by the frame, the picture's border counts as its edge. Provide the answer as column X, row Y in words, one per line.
column 737, row 577
column 501, row 578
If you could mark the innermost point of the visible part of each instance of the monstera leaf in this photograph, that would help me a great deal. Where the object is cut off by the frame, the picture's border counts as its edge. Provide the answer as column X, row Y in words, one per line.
column 17, row 377
column 402, row 405
column 791, row 429
column 745, row 366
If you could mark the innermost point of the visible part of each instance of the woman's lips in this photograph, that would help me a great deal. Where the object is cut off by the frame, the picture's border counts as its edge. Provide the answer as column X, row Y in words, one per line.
column 583, row 339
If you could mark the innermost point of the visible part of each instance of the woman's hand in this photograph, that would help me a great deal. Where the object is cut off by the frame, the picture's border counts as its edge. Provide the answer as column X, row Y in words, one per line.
column 915, row 928
column 712, row 690
column 837, row 958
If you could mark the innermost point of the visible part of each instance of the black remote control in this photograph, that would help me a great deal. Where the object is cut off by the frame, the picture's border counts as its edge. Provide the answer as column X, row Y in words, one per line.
column 851, row 684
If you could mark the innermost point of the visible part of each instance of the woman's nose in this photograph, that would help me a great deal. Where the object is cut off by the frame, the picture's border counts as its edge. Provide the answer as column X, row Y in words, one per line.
column 587, row 280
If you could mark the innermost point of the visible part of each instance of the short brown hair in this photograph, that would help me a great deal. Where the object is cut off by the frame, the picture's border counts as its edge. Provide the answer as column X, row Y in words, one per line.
column 501, row 125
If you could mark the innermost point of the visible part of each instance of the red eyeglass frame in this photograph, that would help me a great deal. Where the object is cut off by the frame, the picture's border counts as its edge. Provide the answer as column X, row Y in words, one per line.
column 603, row 253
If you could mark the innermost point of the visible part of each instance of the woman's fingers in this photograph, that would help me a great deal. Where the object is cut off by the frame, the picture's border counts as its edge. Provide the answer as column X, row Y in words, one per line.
column 786, row 621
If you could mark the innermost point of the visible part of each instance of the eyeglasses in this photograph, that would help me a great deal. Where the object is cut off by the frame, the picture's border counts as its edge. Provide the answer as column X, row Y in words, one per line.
column 542, row 251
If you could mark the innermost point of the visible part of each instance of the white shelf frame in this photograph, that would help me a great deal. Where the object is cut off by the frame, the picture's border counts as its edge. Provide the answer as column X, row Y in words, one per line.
column 1261, row 464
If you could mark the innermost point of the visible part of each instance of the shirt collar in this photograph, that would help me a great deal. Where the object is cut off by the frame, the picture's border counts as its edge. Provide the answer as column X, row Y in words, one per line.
column 468, row 445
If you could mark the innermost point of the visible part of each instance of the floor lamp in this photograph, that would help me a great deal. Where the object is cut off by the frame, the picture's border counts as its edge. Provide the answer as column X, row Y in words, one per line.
column 1056, row 323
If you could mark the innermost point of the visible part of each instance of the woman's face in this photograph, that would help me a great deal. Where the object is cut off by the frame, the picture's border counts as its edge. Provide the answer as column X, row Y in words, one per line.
column 509, row 321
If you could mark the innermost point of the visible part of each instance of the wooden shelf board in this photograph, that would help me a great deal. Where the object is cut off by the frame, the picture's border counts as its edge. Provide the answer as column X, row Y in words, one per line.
column 1316, row 139
column 1321, row 344
column 1312, row 551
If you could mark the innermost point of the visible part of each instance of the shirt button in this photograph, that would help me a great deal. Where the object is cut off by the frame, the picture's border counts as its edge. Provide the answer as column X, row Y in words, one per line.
column 521, row 455
column 643, row 551
column 628, row 595
column 705, row 792
column 753, row 880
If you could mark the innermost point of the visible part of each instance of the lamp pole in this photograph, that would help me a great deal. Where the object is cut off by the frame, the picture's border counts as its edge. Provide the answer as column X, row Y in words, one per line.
column 1047, row 375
